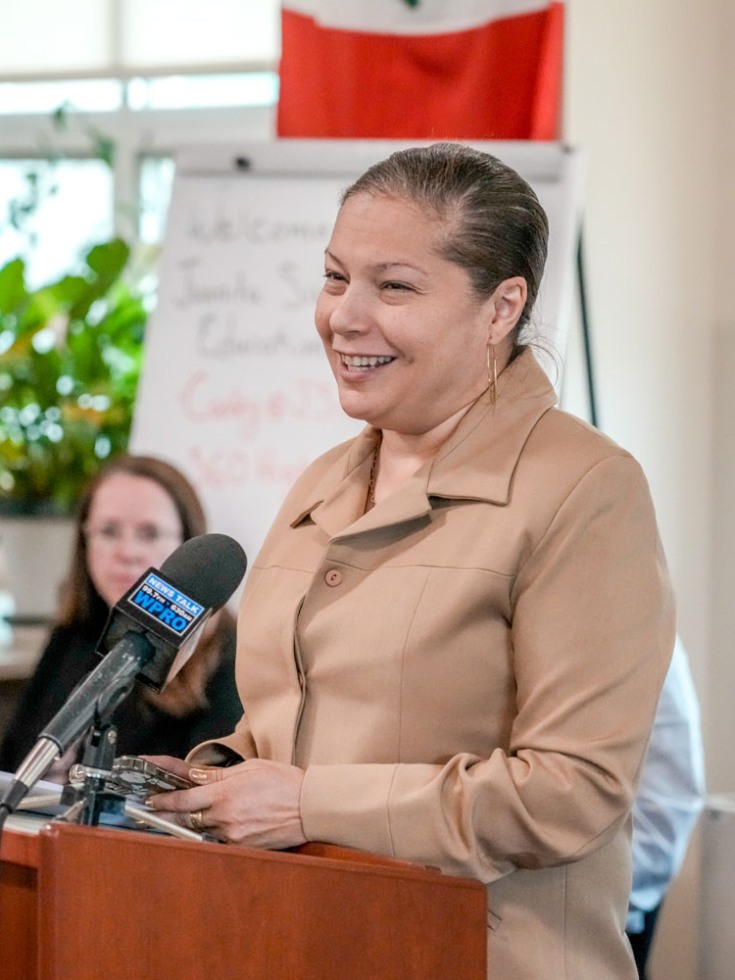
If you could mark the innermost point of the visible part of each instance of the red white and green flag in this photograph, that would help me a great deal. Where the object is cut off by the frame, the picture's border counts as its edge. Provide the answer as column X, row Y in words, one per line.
column 421, row 69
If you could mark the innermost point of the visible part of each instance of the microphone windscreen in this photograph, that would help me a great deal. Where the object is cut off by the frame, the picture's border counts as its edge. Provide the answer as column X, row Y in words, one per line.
column 207, row 568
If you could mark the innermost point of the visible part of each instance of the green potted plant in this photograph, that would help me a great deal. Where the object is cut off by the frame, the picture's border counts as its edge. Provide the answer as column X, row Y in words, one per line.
column 70, row 357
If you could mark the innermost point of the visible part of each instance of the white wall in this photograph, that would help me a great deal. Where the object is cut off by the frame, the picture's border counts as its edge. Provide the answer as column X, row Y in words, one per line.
column 721, row 718
column 647, row 91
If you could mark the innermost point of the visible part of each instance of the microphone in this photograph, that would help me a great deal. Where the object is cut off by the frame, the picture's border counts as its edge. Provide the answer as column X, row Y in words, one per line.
column 154, row 621
column 209, row 568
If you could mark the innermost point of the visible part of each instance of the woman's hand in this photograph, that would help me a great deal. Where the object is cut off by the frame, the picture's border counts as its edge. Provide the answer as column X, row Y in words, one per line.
column 254, row 803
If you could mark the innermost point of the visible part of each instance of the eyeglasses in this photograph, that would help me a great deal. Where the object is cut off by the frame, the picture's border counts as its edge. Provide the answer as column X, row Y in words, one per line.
column 146, row 535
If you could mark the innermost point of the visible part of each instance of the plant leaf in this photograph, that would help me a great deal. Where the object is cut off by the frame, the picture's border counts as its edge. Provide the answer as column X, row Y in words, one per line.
column 12, row 286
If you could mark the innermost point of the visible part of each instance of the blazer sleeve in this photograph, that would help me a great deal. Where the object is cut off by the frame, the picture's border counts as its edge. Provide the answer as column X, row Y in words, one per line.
column 670, row 793
column 224, row 709
column 592, row 630
column 226, row 751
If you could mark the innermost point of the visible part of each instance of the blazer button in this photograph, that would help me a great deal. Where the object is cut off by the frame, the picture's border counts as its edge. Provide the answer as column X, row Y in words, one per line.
column 333, row 577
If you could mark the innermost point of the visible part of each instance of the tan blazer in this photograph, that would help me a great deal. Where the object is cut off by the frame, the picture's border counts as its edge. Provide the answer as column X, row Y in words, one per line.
column 468, row 673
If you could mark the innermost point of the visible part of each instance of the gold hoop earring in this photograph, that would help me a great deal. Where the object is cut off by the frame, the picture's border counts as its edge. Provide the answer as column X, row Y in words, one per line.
column 492, row 373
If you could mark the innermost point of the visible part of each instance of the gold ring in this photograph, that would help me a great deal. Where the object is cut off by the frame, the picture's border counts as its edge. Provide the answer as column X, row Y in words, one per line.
column 196, row 821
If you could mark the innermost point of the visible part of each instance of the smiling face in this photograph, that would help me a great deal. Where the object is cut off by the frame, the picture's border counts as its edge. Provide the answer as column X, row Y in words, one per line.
column 404, row 331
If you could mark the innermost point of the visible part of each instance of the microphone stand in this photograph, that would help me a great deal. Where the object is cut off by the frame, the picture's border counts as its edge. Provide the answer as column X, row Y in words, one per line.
column 89, row 800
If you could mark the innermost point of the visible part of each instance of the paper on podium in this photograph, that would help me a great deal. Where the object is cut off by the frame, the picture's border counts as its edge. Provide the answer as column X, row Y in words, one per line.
column 43, row 801
column 43, row 798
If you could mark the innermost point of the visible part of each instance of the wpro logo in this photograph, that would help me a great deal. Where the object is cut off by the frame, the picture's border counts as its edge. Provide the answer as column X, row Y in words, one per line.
column 164, row 602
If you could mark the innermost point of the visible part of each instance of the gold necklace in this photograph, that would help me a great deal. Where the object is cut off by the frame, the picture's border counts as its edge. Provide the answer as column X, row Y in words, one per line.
column 370, row 499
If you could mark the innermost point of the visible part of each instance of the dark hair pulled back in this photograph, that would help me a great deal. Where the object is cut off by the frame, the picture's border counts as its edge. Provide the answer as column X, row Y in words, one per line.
column 496, row 227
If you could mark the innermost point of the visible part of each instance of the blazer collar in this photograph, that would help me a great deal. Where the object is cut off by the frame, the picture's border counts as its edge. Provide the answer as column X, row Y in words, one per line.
column 476, row 463
column 479, row 460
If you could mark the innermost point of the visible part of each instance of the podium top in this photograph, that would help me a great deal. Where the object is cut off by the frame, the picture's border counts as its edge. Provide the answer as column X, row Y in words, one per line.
column 194, row 909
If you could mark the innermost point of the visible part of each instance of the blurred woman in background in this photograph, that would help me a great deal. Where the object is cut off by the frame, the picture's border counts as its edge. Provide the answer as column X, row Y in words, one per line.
column 132, row 515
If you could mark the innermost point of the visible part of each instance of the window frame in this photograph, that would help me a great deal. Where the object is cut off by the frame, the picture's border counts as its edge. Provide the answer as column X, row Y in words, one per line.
column 136, row 134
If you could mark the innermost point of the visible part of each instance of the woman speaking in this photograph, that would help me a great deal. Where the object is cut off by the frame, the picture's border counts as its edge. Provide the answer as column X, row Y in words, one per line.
column 452, row 642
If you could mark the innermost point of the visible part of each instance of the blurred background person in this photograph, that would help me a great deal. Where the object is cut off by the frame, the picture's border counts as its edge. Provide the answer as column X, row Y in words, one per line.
column 131, row 516
column 670, row 797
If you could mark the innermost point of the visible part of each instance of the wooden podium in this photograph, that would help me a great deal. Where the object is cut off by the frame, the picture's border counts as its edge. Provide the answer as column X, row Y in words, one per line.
column 84, row 903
